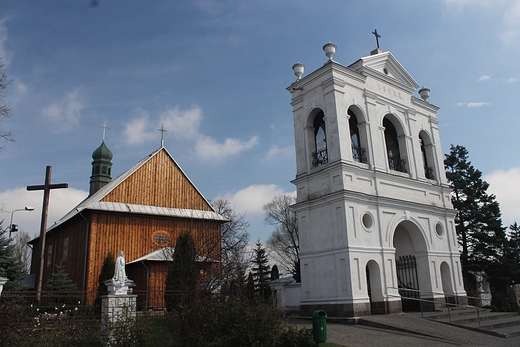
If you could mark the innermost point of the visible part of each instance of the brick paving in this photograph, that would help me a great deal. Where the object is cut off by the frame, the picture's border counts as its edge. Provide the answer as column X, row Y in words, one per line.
column 407, row 330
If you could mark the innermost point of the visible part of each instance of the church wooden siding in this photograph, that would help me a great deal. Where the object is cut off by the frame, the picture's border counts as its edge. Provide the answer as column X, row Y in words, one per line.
column 159, row 182
column 70, row 240
column 133, row 234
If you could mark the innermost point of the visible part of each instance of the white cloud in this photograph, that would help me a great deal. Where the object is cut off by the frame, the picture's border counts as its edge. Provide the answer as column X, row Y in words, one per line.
column 251, row 199
column 478, row 104
column 505, row 184
column 484, row 78
column 66, row 112
column 185, row 125
column 277, row 153
column 139, row 129
column 512, row 80
column 61, row 201
column 209, row 149
column 474, row 104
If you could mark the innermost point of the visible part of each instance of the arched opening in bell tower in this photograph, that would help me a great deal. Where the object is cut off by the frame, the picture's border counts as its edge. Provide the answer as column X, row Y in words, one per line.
column 427, row 155
column 447, row 284
column 319, row 155
column 375, row 288
column 357, row 137
column 395, row 146
column 411, row 264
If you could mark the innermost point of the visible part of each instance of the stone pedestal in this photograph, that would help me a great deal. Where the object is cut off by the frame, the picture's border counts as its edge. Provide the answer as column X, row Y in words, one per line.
column 514, row 295
column 118, row 312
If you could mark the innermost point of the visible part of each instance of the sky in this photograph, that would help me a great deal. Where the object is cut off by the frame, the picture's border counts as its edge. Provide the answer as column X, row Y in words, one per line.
column 215, row 74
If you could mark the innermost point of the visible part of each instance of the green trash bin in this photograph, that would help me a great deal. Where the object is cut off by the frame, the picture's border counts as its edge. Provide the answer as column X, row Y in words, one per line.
column 319, row 326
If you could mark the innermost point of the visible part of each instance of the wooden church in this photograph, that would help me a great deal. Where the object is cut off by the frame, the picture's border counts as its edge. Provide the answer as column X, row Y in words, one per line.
column 141, row 212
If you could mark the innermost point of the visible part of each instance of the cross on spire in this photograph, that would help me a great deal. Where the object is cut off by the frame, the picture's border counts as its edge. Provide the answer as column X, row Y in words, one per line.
column 104, row 126
column 377, row 37
column 162, row 130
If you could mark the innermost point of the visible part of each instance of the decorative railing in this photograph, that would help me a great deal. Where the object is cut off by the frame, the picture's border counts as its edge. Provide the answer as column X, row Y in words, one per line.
column 320, row 157
column 359, row 154
column 397, row 164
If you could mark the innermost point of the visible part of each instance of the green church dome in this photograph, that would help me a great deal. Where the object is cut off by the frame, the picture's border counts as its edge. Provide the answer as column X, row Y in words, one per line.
column 102, row 153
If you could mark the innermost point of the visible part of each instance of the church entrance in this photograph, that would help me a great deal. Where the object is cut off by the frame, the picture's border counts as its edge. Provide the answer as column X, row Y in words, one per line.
column 408, row 282
column 408, row 243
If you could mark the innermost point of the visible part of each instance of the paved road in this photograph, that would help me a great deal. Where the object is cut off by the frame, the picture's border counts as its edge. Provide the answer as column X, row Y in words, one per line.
column 403, row 330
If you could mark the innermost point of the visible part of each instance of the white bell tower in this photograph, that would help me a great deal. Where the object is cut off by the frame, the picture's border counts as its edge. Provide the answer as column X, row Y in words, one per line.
column 373, row 205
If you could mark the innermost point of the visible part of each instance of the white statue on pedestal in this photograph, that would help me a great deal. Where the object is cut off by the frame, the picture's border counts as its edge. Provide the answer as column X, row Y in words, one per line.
column 120, row 272
column 119, row 283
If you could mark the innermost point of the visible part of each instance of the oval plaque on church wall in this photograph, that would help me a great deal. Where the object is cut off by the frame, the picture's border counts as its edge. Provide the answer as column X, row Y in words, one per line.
column 161, row 238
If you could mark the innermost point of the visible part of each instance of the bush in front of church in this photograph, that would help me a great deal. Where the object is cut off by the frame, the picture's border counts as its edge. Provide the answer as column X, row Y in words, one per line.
column 236, row 321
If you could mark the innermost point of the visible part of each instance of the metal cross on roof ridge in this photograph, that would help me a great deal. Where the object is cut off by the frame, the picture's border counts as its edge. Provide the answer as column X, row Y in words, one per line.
column 162, row 130
column 377, row 37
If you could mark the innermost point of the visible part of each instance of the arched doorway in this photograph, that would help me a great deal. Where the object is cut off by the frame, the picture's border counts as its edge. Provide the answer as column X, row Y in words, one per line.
column 447, row 284
column 374, row 288
column 411, row 264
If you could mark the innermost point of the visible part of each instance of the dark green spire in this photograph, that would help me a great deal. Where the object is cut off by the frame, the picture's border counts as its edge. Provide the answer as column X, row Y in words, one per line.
column 101, row 168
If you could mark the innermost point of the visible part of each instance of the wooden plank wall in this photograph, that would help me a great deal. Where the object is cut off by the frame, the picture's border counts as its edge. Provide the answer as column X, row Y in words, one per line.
column 73, row 264
column 159, row 182
column 113, row 232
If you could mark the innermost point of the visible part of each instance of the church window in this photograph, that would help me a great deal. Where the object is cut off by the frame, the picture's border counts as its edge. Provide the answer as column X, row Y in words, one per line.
column 104, row 170
column 65, row 249
column 359, row 152
column 392, row 147
column 439, row 230
column 96, row 169
column 426, row 155
column 109, row 171
column 319, row 156
column 367, row 220
column 161, row 238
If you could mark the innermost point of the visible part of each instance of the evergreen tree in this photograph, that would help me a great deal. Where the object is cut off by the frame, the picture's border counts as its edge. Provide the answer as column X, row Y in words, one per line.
column 250, row 286
column 478, row 221
column 62, row 288
column 107, row 272
column 261, row 271
column 11, row 266
column 183, row 274
column 511, row 262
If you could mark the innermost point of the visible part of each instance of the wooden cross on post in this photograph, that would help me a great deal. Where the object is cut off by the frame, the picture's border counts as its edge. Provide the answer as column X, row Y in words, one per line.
column 46, row 192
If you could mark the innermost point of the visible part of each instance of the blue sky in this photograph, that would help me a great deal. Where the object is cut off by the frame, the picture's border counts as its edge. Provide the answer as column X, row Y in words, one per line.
column 215, row 72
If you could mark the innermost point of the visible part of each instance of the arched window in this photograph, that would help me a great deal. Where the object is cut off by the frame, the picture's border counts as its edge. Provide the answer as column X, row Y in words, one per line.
column 426, row 155
column 319, row 156
column 96, row 170
column 103, row 169
column 358, row 152
column 392, row 147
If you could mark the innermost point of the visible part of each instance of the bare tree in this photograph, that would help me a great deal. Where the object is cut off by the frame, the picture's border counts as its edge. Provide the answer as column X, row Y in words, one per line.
column 22, row 249
column 284, row 241
column 234, row 240
column 220, row 250
column 5, row 111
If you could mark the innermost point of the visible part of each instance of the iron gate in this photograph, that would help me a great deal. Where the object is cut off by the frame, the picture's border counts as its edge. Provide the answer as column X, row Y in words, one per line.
column 406, row 267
